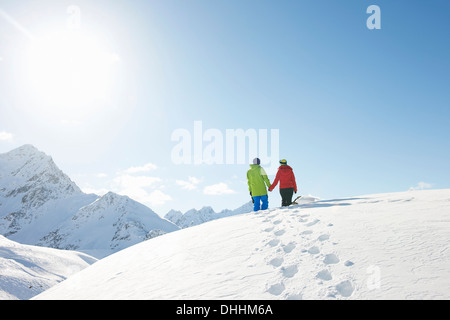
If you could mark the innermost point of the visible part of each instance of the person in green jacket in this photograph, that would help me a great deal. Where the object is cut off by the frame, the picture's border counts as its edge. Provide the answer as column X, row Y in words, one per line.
column 257, row 181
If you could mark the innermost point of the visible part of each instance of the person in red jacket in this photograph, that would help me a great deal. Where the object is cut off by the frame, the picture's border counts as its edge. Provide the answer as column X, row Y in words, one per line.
column 285, row 176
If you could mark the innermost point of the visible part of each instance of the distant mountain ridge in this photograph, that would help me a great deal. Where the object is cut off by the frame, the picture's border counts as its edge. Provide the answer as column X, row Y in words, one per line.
column 195, row 217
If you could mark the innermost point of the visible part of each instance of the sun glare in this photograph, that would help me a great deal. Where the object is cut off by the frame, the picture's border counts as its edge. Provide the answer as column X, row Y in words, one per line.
column 70, row 71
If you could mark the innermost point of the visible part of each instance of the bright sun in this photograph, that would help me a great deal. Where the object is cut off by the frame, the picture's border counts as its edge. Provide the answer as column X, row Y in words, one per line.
column 70, row 71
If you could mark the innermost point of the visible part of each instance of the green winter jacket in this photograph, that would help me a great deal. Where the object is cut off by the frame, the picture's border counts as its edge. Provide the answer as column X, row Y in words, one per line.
column 257, row 180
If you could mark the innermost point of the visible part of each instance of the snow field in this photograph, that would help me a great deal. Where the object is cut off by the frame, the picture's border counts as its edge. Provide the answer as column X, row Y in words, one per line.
column 26, row 271
column 388, row 246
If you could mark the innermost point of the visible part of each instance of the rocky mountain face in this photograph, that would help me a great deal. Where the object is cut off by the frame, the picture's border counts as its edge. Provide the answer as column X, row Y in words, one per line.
column 40, row 205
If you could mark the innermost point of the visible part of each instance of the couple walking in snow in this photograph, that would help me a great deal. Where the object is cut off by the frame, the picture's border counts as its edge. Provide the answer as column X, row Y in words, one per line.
column 257, row 181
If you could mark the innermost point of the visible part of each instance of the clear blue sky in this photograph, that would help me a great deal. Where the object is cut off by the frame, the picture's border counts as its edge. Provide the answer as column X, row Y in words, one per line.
column 358, row 111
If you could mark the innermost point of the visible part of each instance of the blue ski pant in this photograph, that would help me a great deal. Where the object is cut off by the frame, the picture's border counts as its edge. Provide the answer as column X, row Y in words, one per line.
column 260, row 202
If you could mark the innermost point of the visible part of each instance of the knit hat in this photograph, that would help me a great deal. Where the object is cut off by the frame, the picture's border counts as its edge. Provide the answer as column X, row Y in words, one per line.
column 284, row 161
column 256, row 161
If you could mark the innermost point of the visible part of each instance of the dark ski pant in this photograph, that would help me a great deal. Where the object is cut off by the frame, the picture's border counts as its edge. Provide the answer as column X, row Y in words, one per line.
column 286, row 196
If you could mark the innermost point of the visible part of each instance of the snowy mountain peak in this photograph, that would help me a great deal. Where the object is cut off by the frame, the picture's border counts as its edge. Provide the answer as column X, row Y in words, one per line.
column 26, row 150
column 203, row 210
column 30, row 184
column 26, row 167
column 110, row 199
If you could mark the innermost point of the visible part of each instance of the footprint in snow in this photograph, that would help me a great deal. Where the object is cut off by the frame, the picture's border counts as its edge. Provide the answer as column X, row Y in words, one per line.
column 290, row 271
column 273, row 242
column 331, row 259
column 324, row 275
column 279, row 232
column 323, row 237
column 345, row 288
column 313, row 250
column 276, row 262
column 289, row 247
column 312, row 223
column 294, row 297
column 276, row 289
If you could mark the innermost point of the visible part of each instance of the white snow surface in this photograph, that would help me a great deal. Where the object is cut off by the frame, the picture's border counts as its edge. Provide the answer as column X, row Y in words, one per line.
column 26, row 271
column 383, row 246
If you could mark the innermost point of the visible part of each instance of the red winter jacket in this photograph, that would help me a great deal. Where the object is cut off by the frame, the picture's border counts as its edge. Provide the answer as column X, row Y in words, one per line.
column 286, row 177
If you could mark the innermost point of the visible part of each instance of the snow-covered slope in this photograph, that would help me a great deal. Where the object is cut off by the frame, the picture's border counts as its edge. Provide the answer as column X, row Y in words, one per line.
column 195, row 217
column 40, row 205
column 386, row 246
column 26, row 271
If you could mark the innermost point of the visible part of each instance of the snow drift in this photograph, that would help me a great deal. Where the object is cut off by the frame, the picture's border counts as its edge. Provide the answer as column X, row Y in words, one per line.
column 26, row 271
column 386, row 246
